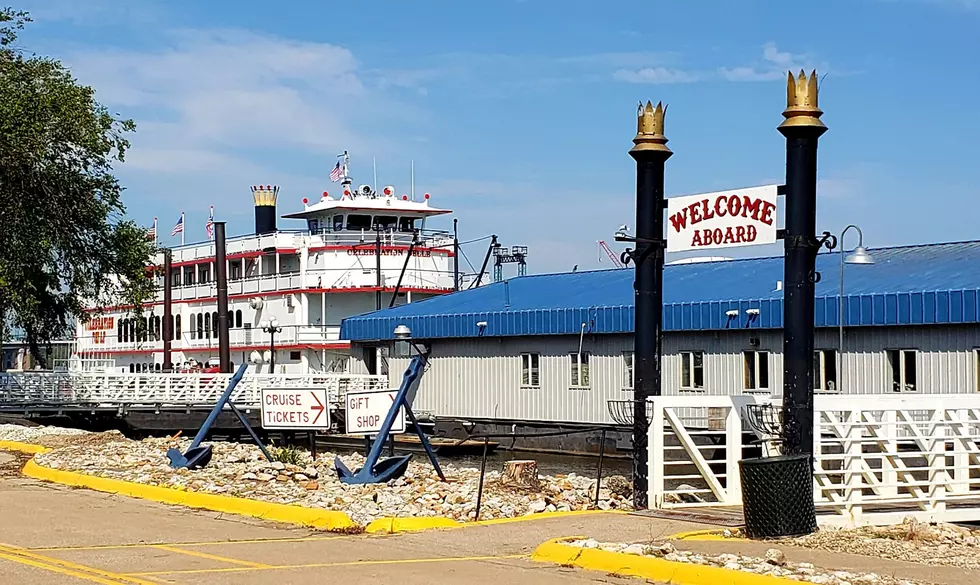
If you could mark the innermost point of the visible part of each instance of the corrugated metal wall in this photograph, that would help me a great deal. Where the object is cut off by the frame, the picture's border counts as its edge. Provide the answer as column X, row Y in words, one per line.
column 481, row 378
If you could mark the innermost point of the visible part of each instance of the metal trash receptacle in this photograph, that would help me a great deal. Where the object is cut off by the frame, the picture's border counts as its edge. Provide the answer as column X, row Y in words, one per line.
column 777, row 496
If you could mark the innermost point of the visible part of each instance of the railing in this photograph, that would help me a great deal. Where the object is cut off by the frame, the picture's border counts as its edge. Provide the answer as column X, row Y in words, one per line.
column 161, row 390
column 427, row 238
column 237, row 336
column 878, row 459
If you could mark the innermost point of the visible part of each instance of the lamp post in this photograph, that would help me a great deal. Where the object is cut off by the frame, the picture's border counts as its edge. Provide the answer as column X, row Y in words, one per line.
column 271, row 327
column 858, row 256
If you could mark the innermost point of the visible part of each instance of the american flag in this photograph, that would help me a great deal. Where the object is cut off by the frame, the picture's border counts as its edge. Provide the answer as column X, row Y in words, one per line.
column 209, row 226
column 335, row 173
column 179, row 227
column 151, row 234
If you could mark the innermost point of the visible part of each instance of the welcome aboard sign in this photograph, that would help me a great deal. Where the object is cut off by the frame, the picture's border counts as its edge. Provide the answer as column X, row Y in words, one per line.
column 723, row 219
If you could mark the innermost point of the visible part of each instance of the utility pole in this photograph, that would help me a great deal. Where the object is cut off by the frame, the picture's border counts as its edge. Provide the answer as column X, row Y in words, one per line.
column 651, row 153
column 168, row 311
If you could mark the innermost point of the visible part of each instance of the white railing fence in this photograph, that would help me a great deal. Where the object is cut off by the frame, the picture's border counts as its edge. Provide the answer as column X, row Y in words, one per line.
column 878, row 459
column 128, row 390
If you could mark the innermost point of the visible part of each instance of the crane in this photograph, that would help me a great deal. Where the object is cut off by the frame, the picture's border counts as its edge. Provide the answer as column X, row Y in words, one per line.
column 612, row 257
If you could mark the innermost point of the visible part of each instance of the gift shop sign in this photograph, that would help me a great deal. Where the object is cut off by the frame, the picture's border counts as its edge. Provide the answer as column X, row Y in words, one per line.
column 724, row 219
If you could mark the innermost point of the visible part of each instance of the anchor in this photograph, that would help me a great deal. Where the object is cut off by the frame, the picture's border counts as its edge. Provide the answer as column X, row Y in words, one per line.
column 375, row 471
column 197, row 456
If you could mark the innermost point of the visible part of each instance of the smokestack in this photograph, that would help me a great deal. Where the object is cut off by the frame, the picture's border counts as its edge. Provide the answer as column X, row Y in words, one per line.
column 265, row 208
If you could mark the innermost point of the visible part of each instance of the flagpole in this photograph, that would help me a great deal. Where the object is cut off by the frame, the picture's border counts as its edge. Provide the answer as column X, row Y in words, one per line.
column 375, row 161
column 413, row 180
column 183, row 228
column 154, row 232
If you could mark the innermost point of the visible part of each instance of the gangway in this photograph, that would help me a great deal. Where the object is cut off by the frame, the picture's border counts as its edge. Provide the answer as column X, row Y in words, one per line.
column 23, row 392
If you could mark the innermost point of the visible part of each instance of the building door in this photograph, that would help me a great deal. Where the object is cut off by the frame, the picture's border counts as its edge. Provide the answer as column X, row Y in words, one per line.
column 371, row 359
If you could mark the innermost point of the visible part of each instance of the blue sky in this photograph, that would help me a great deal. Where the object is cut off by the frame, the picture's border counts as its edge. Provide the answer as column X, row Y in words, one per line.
column 519, row 113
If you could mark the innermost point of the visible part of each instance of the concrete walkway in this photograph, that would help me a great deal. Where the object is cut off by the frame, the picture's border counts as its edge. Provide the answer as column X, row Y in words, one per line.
column 57, row 535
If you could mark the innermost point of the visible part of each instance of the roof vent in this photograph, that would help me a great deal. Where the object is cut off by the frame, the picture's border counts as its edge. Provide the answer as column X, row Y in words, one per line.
column 779, row 285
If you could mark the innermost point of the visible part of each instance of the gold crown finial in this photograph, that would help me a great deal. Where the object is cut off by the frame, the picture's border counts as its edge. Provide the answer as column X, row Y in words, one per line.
column 801, row 101
column 265, row 195
column 650, row 128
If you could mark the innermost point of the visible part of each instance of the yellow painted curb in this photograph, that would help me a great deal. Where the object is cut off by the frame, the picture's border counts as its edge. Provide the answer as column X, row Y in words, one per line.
column 659, row 570
column 22, row 447
column 318, row 518
column 703, row 535
column 393, row 525
column 322, row 519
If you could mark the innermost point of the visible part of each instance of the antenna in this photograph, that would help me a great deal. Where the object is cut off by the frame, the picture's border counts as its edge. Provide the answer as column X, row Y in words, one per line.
column 413, row 179
column 374, row 159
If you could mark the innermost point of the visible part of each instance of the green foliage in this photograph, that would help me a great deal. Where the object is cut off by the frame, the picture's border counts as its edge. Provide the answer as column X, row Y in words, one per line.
column 62, row 232
column 287, row 455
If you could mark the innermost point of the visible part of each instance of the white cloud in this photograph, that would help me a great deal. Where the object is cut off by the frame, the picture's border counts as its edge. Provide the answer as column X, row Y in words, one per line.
column 774, row 65
column 656, row 75
column 218, row 101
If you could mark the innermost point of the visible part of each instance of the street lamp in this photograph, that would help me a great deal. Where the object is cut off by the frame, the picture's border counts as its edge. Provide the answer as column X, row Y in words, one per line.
column 271, row 327
column 858, row 256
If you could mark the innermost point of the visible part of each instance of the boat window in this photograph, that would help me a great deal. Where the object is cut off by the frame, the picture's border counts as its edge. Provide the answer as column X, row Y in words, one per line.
column 314, row 225
column 358, row 222
column 385, row 222
column 407, row 224
column 338, row 223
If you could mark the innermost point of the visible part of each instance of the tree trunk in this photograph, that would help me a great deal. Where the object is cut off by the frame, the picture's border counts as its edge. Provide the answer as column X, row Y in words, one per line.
column 521, row 473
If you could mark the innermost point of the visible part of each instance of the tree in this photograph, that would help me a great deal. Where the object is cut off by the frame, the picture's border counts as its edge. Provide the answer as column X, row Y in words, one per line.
column 64, row 243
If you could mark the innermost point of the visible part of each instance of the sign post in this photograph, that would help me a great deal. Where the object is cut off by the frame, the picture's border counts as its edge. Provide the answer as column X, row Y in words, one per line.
column 295, row 408
column 650, row 152
column 365, row 412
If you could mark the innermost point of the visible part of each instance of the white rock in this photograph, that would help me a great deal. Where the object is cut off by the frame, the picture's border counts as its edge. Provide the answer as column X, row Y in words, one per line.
column 774, row 556
column 635, row 549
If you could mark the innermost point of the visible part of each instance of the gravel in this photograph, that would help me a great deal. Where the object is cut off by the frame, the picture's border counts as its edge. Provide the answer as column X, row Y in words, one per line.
column 240, row 470
column 774, row 564
column 918, row 542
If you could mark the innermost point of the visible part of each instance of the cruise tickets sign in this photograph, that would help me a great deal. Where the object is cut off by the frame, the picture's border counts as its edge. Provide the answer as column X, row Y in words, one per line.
column 295, row 408
column 723, row 219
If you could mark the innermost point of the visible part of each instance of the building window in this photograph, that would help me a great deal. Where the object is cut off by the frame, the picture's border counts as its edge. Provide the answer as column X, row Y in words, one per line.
column 628, row 376
column 825, row 370
column 294, row 356
column 579, row 369
column 238, row 318
column 692, row 370
column 901, row 362
column 530, row 370
column 756, row 370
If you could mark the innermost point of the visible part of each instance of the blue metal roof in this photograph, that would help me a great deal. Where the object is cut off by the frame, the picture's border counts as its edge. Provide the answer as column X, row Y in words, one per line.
column 935, row 283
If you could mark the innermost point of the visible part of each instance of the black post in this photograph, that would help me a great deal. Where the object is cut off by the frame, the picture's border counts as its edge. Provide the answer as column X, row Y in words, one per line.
column 650, row 152
column 168, row 311
column 221, row 275
column 802, row 128
column 377, row 255
column 598, row 475
column 312, row 438
column 272, row 350
column 483, row 472
column 455, row 257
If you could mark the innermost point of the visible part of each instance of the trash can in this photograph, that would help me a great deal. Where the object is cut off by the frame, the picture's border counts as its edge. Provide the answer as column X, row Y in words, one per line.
column 777, row 496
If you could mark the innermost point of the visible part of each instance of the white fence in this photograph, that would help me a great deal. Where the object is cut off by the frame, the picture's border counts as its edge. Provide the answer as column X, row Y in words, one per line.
column 878, row 459
column 93, row 389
